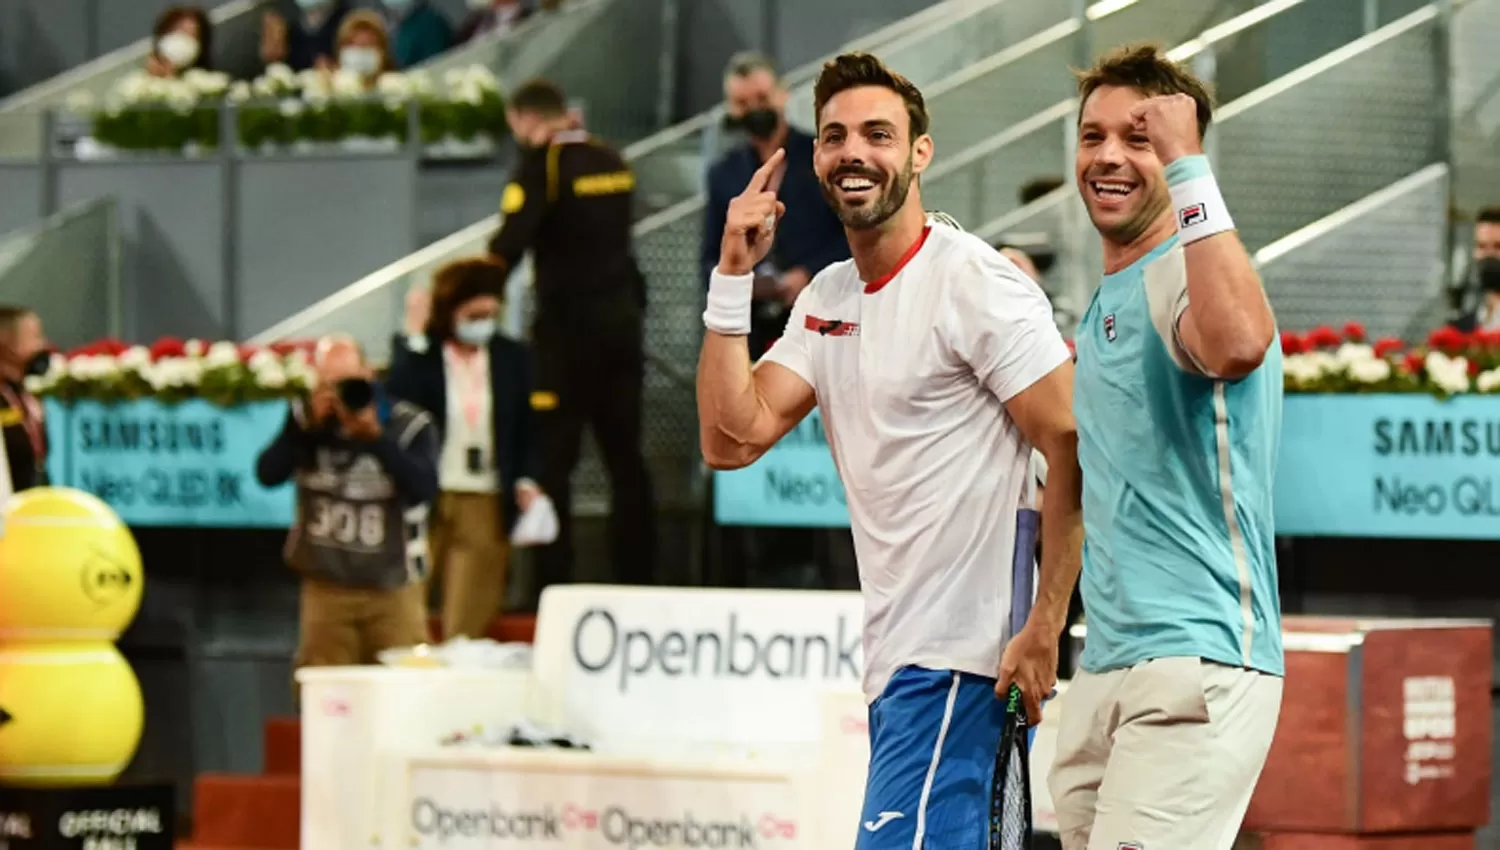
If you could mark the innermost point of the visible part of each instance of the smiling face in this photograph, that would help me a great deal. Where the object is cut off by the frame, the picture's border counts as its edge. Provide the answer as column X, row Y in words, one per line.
column 1122, row 181
column 865, row 158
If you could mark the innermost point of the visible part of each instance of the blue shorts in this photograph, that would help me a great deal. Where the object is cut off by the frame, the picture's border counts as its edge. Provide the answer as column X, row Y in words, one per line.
column 933, row 739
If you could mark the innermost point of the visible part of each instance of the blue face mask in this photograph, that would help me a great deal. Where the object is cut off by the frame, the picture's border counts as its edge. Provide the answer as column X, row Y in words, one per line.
column 475, row 332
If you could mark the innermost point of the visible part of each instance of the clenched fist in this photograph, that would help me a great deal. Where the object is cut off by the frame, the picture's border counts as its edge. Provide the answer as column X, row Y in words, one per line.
column 750, row 226
column 1170, row 122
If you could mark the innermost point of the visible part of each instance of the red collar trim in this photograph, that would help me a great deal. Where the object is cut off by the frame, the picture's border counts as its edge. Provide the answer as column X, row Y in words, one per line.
column 879, row 283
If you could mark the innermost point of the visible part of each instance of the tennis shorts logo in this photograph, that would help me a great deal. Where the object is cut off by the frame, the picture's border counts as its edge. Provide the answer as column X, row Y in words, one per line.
column 831, row 327
column 1130, row 845
column 881, row 820
column 1109, row 327
column 1191, row 215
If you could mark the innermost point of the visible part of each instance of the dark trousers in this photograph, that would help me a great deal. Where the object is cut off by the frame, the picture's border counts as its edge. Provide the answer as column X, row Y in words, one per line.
column 595, row 366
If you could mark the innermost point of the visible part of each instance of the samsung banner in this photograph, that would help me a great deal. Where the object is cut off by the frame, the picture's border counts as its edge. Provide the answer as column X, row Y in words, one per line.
column 641, row 667
column 1407, row 466
column 596, row 805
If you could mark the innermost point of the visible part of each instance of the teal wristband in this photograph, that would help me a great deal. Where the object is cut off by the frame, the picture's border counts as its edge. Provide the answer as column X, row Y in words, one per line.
column 1187, row 168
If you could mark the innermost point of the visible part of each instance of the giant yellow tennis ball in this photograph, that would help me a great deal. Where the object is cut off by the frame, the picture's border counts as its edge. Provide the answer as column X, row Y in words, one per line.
column 70, row 713
column 69, row 569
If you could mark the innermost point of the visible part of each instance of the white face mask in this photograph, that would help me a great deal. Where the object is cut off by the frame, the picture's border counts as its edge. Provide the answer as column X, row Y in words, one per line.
column 480, row 4
column 178, row 48
column 364, row 61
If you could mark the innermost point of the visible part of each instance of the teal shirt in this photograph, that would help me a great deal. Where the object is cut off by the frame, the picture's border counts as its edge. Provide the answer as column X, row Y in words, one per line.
column 1179, row 553
column 420, row 35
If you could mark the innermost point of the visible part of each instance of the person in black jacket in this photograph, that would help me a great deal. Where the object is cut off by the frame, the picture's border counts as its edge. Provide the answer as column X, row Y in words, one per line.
column 810, row 236
column 305, row 37
column 365, row 468
column 477, row 385
column 569, row 204
column 23, row 352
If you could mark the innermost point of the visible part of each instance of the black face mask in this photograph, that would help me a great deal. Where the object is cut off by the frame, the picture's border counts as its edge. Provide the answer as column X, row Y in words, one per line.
column 1487, row 271
column 39, row 363
column 356, row 393
column 758, row 123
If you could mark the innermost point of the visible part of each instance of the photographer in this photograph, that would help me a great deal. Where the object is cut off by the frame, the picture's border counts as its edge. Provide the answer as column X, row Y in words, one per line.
column 365, row 469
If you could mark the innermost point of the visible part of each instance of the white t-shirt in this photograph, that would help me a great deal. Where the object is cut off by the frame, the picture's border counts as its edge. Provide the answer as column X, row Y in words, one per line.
column 911, row 374
column 470, row 425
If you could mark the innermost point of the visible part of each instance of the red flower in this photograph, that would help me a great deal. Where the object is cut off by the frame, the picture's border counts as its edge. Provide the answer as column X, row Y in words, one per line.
column 1414, row 362
column 248, row 351
column 1323, row 336
column 168, row 346
column 1354, row 332
column 1386, row 346
column 1486, row 339
column 1293, row 343
column 1448, row 339
column 1473, row 368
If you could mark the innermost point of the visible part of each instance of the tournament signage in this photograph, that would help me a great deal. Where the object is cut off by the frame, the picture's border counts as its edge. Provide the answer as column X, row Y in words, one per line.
column 118, row 817
column 1409, row 466
column 189, row 464
column 793, row 484
column 513, row 807
column 1389, row 466
column 634, row 667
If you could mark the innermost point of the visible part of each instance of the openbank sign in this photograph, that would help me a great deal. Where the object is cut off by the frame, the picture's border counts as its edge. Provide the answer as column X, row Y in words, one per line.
column 615, row 824
column 602, row 647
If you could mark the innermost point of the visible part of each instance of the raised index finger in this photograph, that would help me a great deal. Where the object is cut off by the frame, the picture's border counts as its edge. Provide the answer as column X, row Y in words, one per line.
column 761, row 180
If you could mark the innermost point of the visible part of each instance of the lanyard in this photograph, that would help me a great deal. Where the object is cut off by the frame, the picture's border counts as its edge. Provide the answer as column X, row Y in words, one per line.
column 31, row 417
column 471, row 389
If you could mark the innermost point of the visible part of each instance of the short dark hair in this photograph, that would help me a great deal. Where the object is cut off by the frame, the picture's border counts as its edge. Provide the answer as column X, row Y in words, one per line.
column 458, row 282
column 1488, row 215
column 1145, row 68
column 747, row 62
column 856, row 70
column 539, row 97
column 11, row 315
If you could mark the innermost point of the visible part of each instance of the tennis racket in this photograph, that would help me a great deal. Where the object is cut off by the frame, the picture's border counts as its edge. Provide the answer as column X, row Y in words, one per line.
column 1010, row 800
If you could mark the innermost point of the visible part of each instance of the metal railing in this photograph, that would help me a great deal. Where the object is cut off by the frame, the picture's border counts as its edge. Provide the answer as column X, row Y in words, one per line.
column 62, row 261
column 1381, row 261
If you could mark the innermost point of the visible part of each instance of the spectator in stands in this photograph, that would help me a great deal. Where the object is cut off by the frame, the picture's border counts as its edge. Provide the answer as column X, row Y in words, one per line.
column 365, row 468
column 364, row 46
column 308, row 40
column 570, row 203
column 420, row 31
column 810, row 236
column 477, row 385
column 1482, row 284
column 23, row 352
column 493, row 17
column 182, row 39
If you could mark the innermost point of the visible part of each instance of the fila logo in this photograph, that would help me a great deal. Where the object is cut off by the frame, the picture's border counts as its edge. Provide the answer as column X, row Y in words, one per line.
column 1189, row 216
column 1130, row 845
column 1109, row 327
column 831, row 327
column 881, row 820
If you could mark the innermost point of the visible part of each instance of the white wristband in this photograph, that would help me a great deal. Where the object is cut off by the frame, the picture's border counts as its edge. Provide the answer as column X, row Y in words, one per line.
column 1196, row 202
column 729, row 297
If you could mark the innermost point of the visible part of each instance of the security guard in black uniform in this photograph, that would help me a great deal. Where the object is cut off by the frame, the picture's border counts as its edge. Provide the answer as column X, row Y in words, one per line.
column 570, row 203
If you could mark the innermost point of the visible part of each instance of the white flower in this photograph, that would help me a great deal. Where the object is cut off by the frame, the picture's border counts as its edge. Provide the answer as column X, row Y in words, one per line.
column 263, row 358
column 282, row 74
column 194, row 348
column 1450, row 374
column 210, row 83
column 222, row 354
column 56, row 367
column 81, row 102
column 1488, row 382
column 135, row 357
column 37, row 384
column 92, row 367
column 420, row 82
column 453, row 78
column 1372, row 371
column 392, row 85
column 292, row 107
column 347, row 84
column 1354, row 352
column 468, row 93
column 483, row 78
column 240, row 92
column 271, row 376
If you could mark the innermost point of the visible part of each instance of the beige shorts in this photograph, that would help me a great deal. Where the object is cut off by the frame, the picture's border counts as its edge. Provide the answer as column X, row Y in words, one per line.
column 1161, row 756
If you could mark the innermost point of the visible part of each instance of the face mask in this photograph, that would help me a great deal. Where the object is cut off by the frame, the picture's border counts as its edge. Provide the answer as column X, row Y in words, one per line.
column 178, row 48
column 1488, row 272
column 762, row 123
column 480, row 5
column 476, row 332
column 311, row 5
column 364, row 61
column 39, row 363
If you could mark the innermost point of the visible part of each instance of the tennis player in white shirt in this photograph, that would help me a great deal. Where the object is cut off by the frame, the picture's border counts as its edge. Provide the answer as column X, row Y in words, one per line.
column 938, row 368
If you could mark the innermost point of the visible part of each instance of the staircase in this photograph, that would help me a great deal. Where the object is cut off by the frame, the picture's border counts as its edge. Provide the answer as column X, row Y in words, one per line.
column 264, row 811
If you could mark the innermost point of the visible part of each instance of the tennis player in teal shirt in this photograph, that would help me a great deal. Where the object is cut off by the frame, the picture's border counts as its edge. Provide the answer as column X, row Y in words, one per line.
column 1164, row 730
